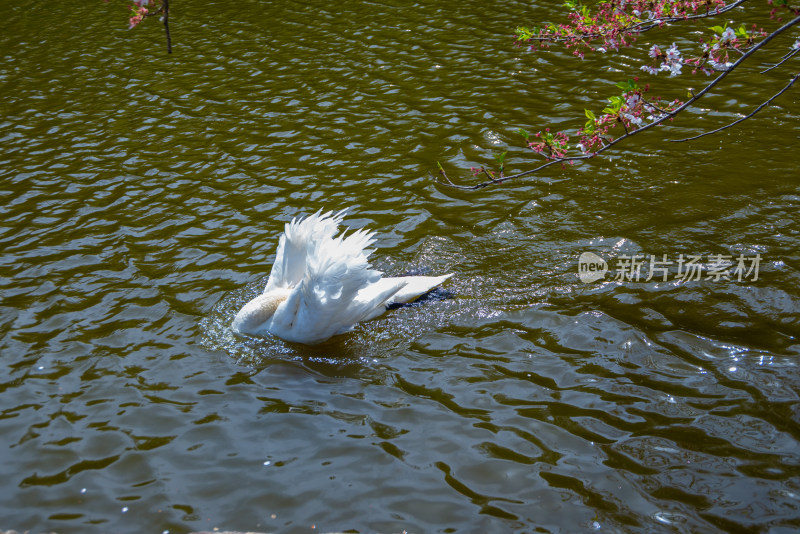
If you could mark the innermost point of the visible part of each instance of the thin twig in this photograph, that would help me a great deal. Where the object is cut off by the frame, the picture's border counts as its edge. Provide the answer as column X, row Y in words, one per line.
column 786, row 57
column 164, row 12
column 165, row 8
column 490, row 177
column 435, row 179
column 734, row 123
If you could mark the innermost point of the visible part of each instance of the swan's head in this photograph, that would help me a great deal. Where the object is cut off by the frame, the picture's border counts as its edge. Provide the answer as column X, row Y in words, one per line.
column 252, row 317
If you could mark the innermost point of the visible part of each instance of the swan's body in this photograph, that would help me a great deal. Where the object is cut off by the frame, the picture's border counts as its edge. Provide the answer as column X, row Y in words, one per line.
column 322, row 285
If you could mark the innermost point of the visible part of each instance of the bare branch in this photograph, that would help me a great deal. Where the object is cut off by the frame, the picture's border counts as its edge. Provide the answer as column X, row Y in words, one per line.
column 786, row 57
column 489, row 175
column 164, row 12
column 166, row 25
column 734, row 123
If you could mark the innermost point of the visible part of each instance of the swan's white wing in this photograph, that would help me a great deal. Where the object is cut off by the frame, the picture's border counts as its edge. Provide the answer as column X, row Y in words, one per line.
column 330, row 299
column 300, row 238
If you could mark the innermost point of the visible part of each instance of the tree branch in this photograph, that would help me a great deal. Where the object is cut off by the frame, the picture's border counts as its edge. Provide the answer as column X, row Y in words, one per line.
column 734, row 123
column 642, row 26
column 664, row 116
column 786, row 57
column 165, row 9
column 649, row 25
column 164, row 12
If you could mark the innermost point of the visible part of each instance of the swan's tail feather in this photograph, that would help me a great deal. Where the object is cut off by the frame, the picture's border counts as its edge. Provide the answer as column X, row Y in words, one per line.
column 415, row 287
column 299, row 240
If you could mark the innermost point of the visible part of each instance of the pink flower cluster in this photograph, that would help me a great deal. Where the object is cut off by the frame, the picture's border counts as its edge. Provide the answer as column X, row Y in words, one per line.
column 670, row 60
column 716, row 53
column 782, row 4
column 139, row 11
column 550, row 145
column 631, row 110
column 614, row 24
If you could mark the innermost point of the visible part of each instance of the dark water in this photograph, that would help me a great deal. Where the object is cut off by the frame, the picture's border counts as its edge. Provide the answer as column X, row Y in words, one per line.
column 142, row 196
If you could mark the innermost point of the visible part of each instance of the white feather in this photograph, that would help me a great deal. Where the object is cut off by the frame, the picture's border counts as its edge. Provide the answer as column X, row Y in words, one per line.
column 322, row 285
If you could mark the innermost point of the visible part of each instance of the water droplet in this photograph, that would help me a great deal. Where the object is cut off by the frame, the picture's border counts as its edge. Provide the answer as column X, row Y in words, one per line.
column 267, row 462
column 83, row 490
column 124, row 509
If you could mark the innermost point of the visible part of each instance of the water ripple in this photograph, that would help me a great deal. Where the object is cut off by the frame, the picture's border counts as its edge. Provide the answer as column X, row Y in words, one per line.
column 141, row 197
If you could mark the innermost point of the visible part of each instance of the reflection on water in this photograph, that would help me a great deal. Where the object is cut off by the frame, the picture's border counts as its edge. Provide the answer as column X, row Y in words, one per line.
column 142, row 197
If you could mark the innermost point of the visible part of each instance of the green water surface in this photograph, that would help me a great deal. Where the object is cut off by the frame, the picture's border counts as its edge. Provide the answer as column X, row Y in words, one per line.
column 141, row 197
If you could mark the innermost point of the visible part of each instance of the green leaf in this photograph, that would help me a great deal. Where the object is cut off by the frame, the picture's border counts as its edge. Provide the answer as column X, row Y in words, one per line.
column 524, row 33
column 500, row 157
column 524, row 134
column 589, row 114
column 628, row 86
column 616, row 103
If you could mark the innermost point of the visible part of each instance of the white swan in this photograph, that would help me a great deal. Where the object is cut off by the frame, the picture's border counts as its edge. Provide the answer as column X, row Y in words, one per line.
column 321, row 285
